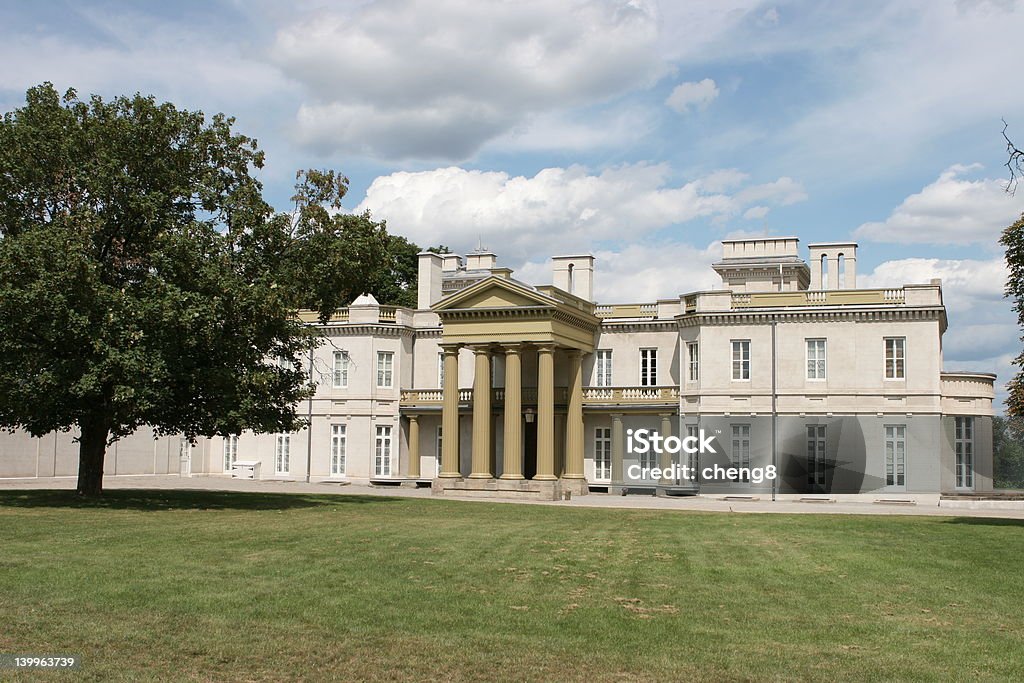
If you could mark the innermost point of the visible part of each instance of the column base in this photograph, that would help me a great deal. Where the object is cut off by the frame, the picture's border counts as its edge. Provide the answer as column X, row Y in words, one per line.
column 481, row 475
column 577, row 487
column 533, row 489
column 512, row 477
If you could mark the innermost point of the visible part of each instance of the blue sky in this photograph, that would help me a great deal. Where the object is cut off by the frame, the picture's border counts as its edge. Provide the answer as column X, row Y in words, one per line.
column 639, row 131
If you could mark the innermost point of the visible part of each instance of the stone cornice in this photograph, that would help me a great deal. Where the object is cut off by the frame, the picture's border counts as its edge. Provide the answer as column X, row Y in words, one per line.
column 376, row 330
column 637, row 325
column 755, row 316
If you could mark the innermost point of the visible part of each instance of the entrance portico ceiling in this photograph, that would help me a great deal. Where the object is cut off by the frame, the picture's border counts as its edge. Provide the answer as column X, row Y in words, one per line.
column 503, row 310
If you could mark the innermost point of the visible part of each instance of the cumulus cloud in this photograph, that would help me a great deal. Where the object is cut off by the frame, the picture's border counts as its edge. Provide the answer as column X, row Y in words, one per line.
column 558, row 208
column 697, row 94
column 965, row 281
column 418, row 79
column 951, row 210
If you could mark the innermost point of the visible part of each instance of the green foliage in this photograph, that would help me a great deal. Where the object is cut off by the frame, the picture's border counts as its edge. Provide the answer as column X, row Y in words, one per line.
column 395, row 285
column 1013, row 239
column 1008, row 452
column 143, row 279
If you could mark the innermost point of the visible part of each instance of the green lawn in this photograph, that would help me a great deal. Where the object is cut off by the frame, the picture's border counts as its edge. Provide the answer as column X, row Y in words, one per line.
column 268, row 587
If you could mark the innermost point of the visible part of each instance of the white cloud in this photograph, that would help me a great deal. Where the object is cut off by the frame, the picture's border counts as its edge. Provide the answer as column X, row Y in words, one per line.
column 951, row 210
column 642, row 272
column 698, row 94
column 965, row 282
column 556, row 209
column 418, row 79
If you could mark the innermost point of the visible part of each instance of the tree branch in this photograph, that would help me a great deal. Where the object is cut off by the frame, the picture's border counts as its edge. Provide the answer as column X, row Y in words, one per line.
column 1014, row 161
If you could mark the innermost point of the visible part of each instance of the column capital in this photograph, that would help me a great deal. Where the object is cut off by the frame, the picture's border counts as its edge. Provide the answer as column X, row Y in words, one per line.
column 413, row 418
column 511, row 347
column 546, row 348
column 574, row 353
column 479, row 349
column 450, row 347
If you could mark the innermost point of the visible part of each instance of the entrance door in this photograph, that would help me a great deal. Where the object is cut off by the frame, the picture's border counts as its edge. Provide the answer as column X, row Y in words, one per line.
column 530, row 450
column 185, row 457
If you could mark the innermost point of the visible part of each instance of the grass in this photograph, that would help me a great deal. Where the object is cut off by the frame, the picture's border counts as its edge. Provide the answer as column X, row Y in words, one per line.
column 178, row 585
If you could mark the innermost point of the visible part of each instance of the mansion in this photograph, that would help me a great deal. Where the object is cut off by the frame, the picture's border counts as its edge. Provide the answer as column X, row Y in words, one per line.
column 496, row 387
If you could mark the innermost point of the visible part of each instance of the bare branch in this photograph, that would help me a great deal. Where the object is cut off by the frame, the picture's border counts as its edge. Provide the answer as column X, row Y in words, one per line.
column 1014, row 161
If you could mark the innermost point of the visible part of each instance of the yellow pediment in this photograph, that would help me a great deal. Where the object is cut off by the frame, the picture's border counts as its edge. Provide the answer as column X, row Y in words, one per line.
column 493, row 292
column 497, row 298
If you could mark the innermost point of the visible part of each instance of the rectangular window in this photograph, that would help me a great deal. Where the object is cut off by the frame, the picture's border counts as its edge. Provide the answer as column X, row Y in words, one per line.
column 816, row 455
column 185, row 456
column 385, row 368
column 603, row 454
column 895, row 455
column 895, row 357
column 230, row 451
column 648, row 367
column 282, row 454
column 603, row 373
column 964, row 444
column 438, row 449
column 741, row 451
column 693, row 356
column 340, row 369
column 339, row 443
column 815, row 359
column 440, row 370
column 741, row 359
column 693, row 459
column 382, row 452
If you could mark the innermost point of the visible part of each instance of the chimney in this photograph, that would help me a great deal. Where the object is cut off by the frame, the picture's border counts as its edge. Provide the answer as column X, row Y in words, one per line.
column 574, row 274
column 480, row 260
column 428, row 289
column 825, row 269
column 450, row 263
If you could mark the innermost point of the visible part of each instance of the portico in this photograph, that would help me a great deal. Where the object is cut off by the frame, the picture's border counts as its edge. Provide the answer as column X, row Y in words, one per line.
column 501, row 319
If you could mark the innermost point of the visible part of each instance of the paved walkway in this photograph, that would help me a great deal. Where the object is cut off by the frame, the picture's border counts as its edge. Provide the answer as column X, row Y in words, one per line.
column 597, row 500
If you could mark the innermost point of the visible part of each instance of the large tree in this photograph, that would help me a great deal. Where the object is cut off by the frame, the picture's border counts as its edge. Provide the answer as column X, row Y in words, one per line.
column 1013, row 239
column 144, row 280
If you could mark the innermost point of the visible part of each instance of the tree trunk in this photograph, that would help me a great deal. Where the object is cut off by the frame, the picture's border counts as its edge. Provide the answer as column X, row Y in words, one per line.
column 92, row 447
